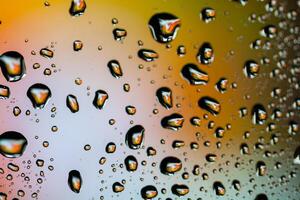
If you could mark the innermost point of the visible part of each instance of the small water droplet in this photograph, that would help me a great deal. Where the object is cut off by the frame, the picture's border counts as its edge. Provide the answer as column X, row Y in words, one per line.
column 13, row 66
column 147, row 55
column 72, row 103
column 77, row 7
column 39, row 94
column 100, row 99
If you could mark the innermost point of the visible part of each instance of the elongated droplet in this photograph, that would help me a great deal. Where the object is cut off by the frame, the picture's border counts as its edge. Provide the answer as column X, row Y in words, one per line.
column 147, row 55
column 261, row 168
column 47, row 53
column 219, row 188
column 100, row 99
column 75, row 181
column 209, row 104
column 131, row 163
column 297, row 156
column 211, row 157
column 119, row 34
column 12, row 144
column 135, row 136
column 180, row 189
column 251, row 69
column 173, row 122
column 205, row 54
column 164, row 96
column 170, row 165
column 77, row 7
column 164, row 27
column 149, row 192
column 115, row 68
column 194, row 75
column 4, row 92
column 236, row 185
column 72, row 103
column 39, row 94
column 13, row 167
column 13, row 66
column 118, row 187
column 259, row 114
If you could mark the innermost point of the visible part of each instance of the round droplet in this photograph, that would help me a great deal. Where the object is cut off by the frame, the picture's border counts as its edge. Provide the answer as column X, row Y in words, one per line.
column 261, row 168
column 39, row 94
column 259, row 114
column 164, row 27
column 75, row 181
column 135, row 136
column 251, row 69
column 261, row 197
column 4, row 92
column 110, row 147
column 118, row 187
column 13, row 66
column 170, row 165
column 205, row 54
column 219, row 188
column 12, row 144
column 131, row 163
column 208, row 14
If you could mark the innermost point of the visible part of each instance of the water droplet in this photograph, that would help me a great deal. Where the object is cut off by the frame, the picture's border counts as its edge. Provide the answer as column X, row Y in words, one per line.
column 131, row 163
column 261, row 197
column 135, row 136
column 205, row 54
column 259, row 114
column 236, row 185
column 219, row 188
column 269, row 31
column 209, row 104
column 17, row 111
column 164, row 27
column 181, row 51
column 115, row 68
column 147, row 55
column 149, row 192
column 77, row 7
column 251, row 69
column 208, row 15
column 72, row 103
column 75, row 181
column 3, row 196
column 77, row 45
column 170, row 165
column 173, row 122
column 118, row 187
column 47, row 53
column 180, row 189
column 261, row 168
column 222, row 85
column 4, row 92
column 13, row 66
column 119, row 34
column 164, row 96
column 211, row 157
column 194, row 75
column 130, row 110
column 12, row 144
column 13, row 167
column 39, row 94
column 110, row 147
column 100, row 99
column 297, row 156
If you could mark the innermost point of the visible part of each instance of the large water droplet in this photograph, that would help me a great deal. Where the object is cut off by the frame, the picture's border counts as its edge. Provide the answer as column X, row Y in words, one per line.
column 39, row 94
column 180, row 189
column 209, row 104
column 115, row 68
column 135, row 136
column 72, row 103
column 173, row 122
column 12, row 144
column 219, row 188
column 149, row 192
column 100, row 99
column 131, row 163
column 205, row 54
column 13, row 66
column 194, row 75
column 164, row 27
column 75, row 181
column 164, row 95
column 170, row 165
column 77, row 7
column 147, row 55
column 261, row 197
